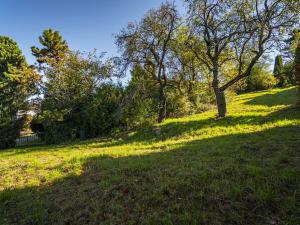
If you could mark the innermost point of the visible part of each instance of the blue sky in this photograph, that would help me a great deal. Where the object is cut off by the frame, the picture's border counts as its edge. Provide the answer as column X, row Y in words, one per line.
column 85, row 24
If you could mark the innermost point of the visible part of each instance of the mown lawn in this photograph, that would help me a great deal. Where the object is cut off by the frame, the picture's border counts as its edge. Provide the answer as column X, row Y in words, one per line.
column 243, row 169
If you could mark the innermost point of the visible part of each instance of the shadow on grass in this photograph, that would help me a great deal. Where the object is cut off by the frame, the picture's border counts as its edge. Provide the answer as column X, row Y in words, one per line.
column 169, row 130
column 284, row 97
column 234, row 179
column 177, row 129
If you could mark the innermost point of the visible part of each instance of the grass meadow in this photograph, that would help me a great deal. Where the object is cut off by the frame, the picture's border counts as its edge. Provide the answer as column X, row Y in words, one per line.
column 243, row 169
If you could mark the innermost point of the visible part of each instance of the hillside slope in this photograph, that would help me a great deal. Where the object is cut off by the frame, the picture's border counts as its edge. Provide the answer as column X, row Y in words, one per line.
column 243, row 169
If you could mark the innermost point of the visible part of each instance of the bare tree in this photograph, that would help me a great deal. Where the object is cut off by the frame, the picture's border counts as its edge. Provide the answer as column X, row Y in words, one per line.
column 240, row 31
column 148, row 43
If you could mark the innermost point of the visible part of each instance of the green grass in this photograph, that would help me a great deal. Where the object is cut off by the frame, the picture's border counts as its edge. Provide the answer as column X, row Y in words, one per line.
column 243, row 169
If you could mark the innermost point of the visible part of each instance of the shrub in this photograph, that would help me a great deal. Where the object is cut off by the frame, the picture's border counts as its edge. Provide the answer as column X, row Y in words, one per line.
column 261, row 81
column 279, row 72
column 178, row 105
column 9, row 132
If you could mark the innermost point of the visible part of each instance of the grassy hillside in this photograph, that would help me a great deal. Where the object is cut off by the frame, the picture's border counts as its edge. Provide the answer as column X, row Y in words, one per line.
column 243, row 169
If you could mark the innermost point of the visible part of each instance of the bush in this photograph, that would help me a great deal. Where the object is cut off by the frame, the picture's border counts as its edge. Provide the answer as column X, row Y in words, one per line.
column 178, row 105
column 261, row 81
column 96, row 115
column 9, row 132
column 289, row 72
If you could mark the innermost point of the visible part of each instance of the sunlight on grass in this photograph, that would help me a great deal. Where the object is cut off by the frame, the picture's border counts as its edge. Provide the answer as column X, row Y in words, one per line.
column 233, row 158
column 36, row 165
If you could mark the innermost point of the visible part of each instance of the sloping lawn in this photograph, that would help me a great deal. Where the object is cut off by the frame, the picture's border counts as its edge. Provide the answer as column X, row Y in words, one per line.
column 244, row 169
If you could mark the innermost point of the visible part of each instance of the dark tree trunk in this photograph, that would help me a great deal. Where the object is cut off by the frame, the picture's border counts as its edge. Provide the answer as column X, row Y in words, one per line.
column 162, row 104
column 221, row 102
column 220, row 96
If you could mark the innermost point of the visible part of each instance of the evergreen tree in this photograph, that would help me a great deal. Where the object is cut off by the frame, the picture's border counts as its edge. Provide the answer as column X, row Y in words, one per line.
column 278, row 71
column 17, row 83
column 54, row 48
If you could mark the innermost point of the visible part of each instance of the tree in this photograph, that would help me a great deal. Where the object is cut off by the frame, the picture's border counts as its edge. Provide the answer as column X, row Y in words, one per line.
column 189, row 75
column 261, row 78
column 69, row 92
column 17, row 84
column 54, row 48
column 148, row 43
column 239, row 31
column 278, row 71
column 289, row 53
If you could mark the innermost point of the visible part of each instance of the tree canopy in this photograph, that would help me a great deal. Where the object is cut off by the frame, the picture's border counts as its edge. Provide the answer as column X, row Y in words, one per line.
column 17, row 84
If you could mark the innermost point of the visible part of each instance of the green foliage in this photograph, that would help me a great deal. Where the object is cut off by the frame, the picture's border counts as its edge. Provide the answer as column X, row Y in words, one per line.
column 289, row 72
column 17, row 83
column 54, row 48
column 139, row 105
column 243, row 169
column 290, row 51
column 148, row 43
column 70, row 92
column 189, row 100
column 278, row 72
column 261, row 79
column 102, row 116
column 9, row 132
column 10, row 55
column 27, row 122
column 178, row 105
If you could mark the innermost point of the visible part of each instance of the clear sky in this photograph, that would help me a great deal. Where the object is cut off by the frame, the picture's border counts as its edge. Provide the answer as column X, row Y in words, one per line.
column 85, row 24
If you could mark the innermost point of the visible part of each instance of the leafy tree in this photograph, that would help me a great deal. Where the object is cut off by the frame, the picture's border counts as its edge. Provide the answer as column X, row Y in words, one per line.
column 278, row 71
column 240, row 31
column 17, row 84
column 148, row 43
column 69, row 93
column 189, row 76
column 140, row 99
column 289, row 53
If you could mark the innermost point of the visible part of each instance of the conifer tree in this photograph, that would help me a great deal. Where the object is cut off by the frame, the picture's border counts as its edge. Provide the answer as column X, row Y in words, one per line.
column 278, row 71
column 17, row 83
column 54, row 48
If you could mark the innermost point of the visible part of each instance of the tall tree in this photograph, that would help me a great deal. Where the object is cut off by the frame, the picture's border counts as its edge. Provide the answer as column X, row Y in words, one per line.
column 53, row 50
column 189, row 74
column 69, row 92
column 17, row 84
column 51, row 57
column 278, row 71
column 240, row 31
column 289, row 51
column 148, row 43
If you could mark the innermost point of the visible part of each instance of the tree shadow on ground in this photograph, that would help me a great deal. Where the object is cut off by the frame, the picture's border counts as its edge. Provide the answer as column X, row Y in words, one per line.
column 284, row 97
column 170, row 130
column 177, row 129
column 233, row 179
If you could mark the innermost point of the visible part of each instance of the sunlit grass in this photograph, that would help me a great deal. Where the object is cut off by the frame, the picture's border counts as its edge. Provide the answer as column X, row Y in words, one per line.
column 225, row 167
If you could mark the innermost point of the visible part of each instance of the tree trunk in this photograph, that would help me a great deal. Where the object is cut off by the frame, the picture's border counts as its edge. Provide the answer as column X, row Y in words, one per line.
column 162, row 104
column 220, row 96
column 221, row 102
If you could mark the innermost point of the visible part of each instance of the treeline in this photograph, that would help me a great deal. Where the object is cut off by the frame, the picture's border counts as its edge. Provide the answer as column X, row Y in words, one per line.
column 177, row 66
